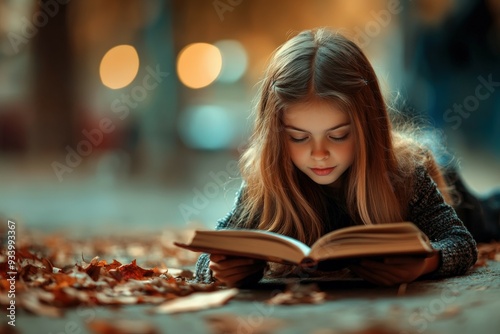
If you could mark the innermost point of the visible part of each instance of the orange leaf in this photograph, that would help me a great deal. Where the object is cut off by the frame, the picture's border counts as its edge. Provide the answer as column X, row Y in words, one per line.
column 197, row 301
column 121, row 326
column 133, row 271
column 113, row 265
column 93, row 271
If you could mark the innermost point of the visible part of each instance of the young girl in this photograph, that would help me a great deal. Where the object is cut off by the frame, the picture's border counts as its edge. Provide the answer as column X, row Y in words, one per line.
column 323, row 156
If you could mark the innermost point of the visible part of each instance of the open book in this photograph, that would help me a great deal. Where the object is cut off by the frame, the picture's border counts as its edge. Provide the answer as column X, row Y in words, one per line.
column 381, row 240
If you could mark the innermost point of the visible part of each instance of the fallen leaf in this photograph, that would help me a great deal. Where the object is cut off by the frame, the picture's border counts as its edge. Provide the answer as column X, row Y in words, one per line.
column 402, row 289
column 8, row 329
column 298, row 294
column 133, row 271
column 187, row 274
column 105, row 299
column 197, row 301
column 113, row 265
column 449, row 312
column 223, row 323
column 121, row 326
column 370, row 329
column 93, row 269
column 486, row 252
column 31, row 303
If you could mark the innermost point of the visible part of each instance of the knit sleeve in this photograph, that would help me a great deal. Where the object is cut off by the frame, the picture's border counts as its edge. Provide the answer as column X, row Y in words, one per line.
column 438, row 220
column 202, row 273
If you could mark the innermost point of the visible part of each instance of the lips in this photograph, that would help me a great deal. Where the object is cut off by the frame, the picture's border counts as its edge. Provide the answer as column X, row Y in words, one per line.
column 322, row 171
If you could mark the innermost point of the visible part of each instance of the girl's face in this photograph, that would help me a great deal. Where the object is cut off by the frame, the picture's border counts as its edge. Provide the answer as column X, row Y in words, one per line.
column 319, row 140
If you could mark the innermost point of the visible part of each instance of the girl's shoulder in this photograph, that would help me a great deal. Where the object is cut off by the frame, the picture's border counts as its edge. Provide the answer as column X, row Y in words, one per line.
column 413, row 184
column 426, row 186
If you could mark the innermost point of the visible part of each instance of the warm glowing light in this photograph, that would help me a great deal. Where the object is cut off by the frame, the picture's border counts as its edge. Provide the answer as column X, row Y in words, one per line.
column 119, row 66
column 199, row 64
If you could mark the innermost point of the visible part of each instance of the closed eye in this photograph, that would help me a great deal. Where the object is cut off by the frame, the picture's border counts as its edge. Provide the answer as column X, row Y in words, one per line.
column 341, row 138
column 298, row 140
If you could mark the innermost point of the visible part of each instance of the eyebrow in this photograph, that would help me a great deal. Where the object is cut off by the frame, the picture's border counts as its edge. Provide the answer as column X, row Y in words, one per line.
column 330, row 129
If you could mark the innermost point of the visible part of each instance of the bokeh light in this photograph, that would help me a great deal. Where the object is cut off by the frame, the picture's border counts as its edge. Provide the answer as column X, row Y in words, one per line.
column 199, row 64
column 119, row 66
column 234, row 60
column 206, row 127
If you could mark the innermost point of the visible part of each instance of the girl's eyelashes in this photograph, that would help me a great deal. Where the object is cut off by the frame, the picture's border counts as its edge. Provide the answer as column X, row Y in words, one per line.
column 339, row 138
column 298, row 140
column 303, row 139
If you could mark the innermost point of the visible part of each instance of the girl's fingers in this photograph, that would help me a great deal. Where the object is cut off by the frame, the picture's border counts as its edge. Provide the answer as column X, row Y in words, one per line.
column 236, row 275
column 396, row 273
column 231, row 271
column 375, row 276
column 364, row 274
column 402, row 260
column 231, row 263
column 384, row 268
column 406, row 271
column 235, row 280
column 223, row 273
column 217, row 257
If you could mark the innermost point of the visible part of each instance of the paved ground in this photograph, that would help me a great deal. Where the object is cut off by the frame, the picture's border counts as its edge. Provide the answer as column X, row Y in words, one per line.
column 467, row 304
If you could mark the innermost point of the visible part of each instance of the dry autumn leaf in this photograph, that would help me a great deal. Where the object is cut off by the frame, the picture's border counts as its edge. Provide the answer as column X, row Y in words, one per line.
column 223, row 323
column 52, row 273
column 487, row 252
column 133, row 271
column 31, row 303
column 370, row 329
column 197, row 301
column 450, row 312
column 298, row 294
column 8, row 329
column 121, row 326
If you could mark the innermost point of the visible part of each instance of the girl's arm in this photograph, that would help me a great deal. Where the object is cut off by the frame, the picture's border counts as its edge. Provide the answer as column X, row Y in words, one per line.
column 203, row 274
column 456, row 248
column 438, row 220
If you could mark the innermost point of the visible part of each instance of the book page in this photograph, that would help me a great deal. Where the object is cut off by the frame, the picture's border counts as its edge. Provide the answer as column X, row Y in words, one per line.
column 252, row 243
column 368, row 240
column 395, row 230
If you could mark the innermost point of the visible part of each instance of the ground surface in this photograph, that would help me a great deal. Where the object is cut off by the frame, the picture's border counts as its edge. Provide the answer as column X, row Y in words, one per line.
column 468, row 304
column 336, row 304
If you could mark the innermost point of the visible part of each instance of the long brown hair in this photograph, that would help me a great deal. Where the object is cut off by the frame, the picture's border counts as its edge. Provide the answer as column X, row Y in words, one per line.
column 320, row 64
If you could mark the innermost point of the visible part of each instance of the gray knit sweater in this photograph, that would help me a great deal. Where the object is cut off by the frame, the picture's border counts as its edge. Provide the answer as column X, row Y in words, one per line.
column 427, row 210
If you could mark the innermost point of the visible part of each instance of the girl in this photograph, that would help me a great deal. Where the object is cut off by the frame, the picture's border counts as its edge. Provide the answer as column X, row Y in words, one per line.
column 323, row 155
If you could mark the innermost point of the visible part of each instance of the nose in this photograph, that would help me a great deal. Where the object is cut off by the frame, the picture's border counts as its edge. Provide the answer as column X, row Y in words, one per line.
column 319, row 152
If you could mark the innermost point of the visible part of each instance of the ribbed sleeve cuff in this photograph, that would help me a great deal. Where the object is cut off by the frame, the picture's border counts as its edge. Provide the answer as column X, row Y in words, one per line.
column 454, row 260
column 203, row 274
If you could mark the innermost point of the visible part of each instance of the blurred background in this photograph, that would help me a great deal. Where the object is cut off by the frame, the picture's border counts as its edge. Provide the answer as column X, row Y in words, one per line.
column 129, row 115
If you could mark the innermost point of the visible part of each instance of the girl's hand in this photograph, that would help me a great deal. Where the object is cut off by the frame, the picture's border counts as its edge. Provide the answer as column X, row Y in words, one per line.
column 395, row 270
column 236, row 271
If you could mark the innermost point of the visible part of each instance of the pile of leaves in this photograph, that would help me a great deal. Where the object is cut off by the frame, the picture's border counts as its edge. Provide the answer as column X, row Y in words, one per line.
column 54, row 272
column 488, row 251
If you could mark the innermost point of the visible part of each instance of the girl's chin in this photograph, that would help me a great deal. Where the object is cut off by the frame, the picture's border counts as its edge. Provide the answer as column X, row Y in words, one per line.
column 325, row 181
column 332, row 182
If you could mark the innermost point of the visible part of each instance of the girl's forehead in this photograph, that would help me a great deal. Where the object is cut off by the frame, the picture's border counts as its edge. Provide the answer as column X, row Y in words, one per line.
column 314, row 108
column 314, row 118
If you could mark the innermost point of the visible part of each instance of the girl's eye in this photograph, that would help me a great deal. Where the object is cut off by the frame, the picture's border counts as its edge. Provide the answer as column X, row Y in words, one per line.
column 298, row 140
column 342, row 138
